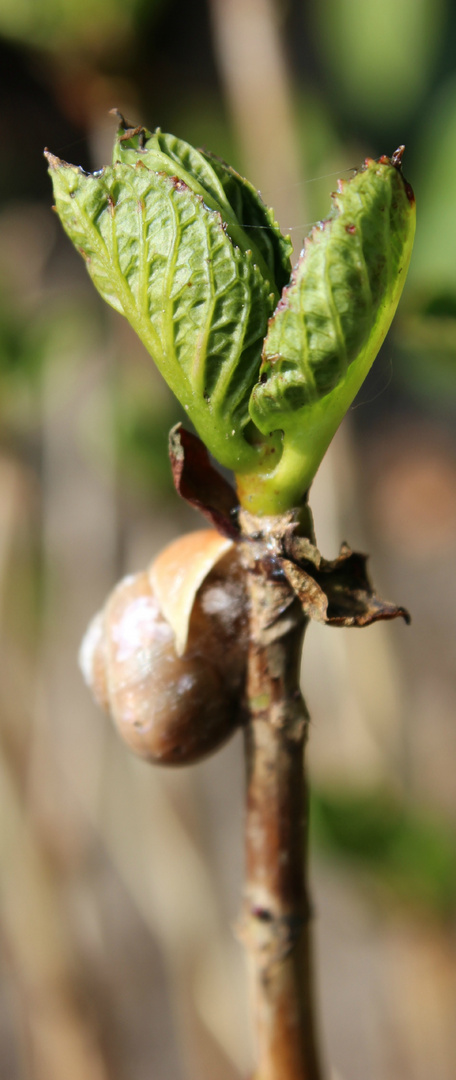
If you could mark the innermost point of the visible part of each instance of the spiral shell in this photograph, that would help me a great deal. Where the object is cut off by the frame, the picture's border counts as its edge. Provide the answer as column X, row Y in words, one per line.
column 166, row 655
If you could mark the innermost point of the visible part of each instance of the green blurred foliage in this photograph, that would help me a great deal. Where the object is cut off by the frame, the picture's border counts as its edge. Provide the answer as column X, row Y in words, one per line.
column 426, row 340
column 142, row 428
column 409, row 852
column 132, row 420
column 92, row 25
column 427, row 328
column 434, row 261
column 21, row 350
column 201, row 120
column 381, row 55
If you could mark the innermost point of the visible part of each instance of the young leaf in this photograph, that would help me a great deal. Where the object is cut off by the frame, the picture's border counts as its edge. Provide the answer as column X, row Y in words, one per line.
column 329, row 325
column 249, row 223
column 257, row 218
column 162, row 258
column 160, row 152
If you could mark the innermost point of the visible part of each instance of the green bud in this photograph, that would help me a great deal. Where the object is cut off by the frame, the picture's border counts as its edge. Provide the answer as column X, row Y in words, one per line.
column 179, row 243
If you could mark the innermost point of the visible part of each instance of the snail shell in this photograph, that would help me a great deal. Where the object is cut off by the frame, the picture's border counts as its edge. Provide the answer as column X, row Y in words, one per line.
column 166, row 655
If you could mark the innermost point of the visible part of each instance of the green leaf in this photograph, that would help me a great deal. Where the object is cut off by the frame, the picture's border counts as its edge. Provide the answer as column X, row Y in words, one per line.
column 362, row 45
column 249, row 223
column 329, row 325
column 160, row 152
column 162, row 258
column 254, row 215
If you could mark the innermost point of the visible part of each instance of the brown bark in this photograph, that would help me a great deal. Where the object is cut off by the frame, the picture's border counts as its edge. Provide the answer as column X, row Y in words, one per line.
column 275, row 924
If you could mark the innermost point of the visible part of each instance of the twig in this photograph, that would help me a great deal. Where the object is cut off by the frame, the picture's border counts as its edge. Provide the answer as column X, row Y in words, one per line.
column 275, row 926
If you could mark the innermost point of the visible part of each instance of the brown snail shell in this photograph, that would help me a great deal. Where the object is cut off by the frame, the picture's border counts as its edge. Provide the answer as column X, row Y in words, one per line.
column 166, row 655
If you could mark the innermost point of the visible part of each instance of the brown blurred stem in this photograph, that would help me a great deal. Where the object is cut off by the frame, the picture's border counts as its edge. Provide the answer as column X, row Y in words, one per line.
column 255, row 73
column 275, row 925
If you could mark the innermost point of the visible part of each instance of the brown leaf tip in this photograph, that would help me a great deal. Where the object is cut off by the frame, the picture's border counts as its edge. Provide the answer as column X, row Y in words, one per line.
column 396, row 161
column 396, row 158
column 52, row 159
column 123, row 123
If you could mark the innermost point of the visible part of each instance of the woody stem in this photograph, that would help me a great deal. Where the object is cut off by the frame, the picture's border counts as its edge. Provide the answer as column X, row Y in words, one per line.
column 276, row 916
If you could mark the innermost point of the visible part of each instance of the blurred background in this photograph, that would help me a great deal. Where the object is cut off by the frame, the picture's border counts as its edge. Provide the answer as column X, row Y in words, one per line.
column 120, row 884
